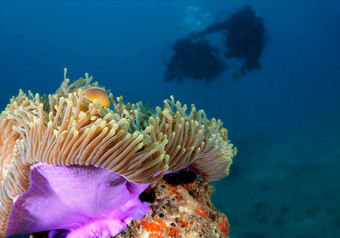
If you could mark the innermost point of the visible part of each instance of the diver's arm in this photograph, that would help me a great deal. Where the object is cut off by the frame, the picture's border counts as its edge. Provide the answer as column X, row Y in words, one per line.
column 210, row 29
column 215, row 27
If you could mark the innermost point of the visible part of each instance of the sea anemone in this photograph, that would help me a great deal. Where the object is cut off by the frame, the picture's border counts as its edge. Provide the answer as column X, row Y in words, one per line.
column 42, row 138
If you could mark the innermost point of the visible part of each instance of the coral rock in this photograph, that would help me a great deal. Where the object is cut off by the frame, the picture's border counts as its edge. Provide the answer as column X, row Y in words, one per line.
column 182, row 210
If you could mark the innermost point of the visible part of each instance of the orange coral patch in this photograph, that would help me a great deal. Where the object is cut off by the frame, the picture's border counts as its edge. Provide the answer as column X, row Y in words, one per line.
column 201, row 212
column 161, row 223
column 172, row 188
column 224, row 226
column 153, row 228
column 184, row 223
column 172, row 191
column 155, row 236
column 173, row 231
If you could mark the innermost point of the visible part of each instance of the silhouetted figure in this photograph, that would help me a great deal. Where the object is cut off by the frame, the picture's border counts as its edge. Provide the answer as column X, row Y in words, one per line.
column 197, row 60
column 245, row 38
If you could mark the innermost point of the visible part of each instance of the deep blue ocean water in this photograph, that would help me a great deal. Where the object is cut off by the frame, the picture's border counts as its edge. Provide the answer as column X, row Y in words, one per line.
column 284, row 118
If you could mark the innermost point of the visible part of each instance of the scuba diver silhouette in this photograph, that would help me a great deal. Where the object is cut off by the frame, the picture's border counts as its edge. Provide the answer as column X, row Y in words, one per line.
column 195, row 59
column 245, row 38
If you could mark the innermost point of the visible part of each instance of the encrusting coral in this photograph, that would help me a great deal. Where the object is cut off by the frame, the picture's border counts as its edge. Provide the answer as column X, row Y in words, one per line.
column 179, row 209
column 133, row 141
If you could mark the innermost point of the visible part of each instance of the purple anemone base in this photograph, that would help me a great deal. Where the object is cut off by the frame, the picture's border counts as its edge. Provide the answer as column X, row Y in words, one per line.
column 76, row 201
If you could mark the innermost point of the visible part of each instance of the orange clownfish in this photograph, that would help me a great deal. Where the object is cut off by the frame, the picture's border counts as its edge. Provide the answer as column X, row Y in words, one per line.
column 99, row 94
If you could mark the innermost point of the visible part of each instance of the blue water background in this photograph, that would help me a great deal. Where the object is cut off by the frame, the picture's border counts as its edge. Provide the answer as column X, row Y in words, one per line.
column 284, row 118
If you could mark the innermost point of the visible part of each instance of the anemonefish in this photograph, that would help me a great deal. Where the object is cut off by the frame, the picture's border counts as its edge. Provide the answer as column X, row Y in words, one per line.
column 98, row 93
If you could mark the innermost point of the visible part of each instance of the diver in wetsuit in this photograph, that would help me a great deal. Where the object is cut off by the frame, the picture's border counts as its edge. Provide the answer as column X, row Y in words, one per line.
column 195, row 59
column 245, row 38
